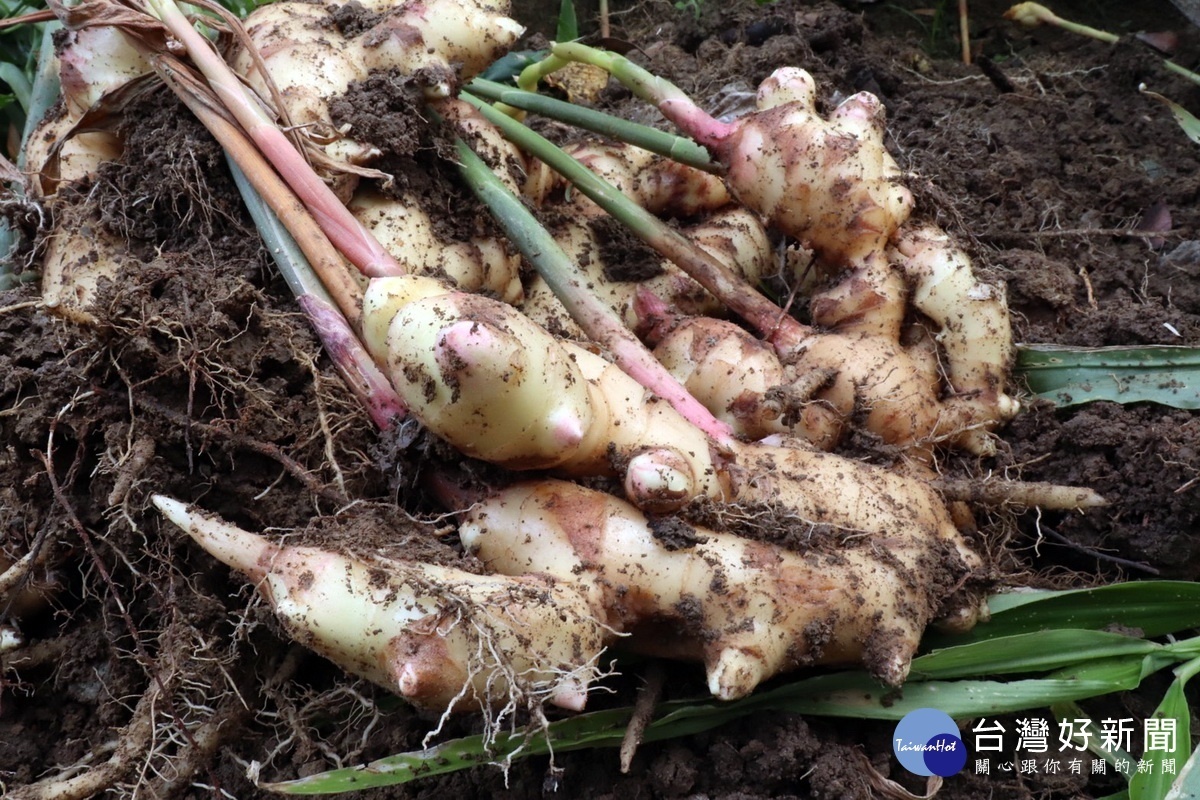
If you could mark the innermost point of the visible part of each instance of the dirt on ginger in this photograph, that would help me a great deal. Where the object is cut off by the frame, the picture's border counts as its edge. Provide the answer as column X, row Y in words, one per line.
column 748, row 609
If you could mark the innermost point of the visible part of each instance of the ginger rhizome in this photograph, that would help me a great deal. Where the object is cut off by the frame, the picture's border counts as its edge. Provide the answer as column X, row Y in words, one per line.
column 830, row 184
column 442, row 638
column 905, row 345
column 748, row 609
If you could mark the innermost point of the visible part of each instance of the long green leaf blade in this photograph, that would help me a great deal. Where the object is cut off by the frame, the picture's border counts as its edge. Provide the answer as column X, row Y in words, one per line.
column 1166, row 375
column 1025, row 653
column 1152, row 607
column 1187, row 121
column 1156, row 784
column 1187, row 783
column 1089, row 663
column 568, row 23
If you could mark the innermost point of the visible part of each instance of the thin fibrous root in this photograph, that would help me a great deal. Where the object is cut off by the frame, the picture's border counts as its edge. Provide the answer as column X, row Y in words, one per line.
column 132, row 744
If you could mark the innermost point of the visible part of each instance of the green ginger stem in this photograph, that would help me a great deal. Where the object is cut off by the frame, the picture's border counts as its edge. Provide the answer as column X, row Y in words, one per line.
column 596, row 318
column 731, row 289
column 672, row 146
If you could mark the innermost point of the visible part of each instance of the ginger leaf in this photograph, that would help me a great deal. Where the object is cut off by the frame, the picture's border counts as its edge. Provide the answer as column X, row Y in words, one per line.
column 1175, row 747
column 1165, row 374
column 1185, row 118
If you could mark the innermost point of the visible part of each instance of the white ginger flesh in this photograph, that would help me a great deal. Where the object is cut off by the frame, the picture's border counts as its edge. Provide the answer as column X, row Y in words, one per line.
column 442, row 638
column 498, row 387
column 748, row 609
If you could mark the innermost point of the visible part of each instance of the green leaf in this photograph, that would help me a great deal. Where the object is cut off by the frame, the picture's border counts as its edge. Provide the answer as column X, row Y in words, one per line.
column 1187, row 783
column 46, row 89
column 1030, row 631
column 1156, row 784
column 1029, row 652
column 1186, row 120
column 506, row 68
column 1165, row 374
column 1152, row 607
column 851, row 695
column 18, row 81
column 1095, row 744
column 568, row 24
column 847, row 694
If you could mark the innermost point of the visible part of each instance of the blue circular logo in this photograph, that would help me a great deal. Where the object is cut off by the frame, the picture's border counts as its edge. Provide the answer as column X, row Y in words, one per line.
column 928, row 742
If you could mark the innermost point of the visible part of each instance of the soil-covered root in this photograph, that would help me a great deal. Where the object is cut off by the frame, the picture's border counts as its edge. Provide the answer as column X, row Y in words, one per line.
column 482, row 264
column 747, row 609
column 444, row 639
column 80, row 254
column 829, row 383
column 314, row 52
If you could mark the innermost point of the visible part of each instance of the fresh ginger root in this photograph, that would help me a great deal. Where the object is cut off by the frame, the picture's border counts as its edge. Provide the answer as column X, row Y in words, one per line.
column 741, row 380
column 80, row 252
column 444, row 639
column 831, row 184
column 498, row 387
column 975, row 330
column 482, row 264
column 748, row 609
column 829, row 378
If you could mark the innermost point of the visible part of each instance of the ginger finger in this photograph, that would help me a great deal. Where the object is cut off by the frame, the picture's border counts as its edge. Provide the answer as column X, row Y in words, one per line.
column 748, row 609
column 444, row 639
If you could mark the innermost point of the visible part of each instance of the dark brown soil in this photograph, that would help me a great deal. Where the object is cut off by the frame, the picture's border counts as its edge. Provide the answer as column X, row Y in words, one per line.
column 203, row 382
